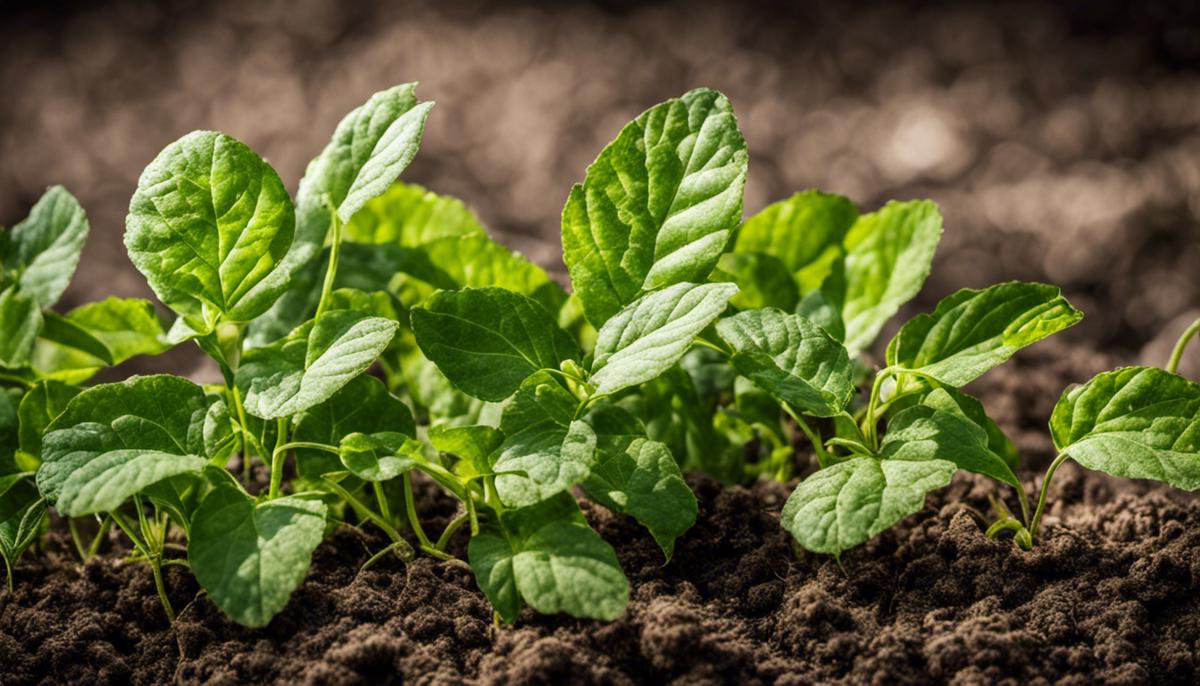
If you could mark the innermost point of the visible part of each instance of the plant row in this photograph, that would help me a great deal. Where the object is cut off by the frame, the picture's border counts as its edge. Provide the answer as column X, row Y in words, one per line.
column 368, row 329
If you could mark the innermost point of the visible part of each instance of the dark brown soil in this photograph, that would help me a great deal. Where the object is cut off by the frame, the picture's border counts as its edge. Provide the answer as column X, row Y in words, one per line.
column 1112, row 596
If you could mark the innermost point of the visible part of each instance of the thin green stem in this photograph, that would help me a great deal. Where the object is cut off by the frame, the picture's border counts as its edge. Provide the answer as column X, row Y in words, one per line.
column 1181, row 345
column 100, row 536
column 813, row 436
column 278, row 458
column 385, row 510
column 363, row 511
column 156, row 569
column 246, row 436
column 335, row 249
column 471, row 514
column 8, row 574
column 74, row 529
column 871, row 420
column 295, row 445
column 128, row 531
column 402, row 545
column 452, row 527
column 1041, row 506
column 410, row 509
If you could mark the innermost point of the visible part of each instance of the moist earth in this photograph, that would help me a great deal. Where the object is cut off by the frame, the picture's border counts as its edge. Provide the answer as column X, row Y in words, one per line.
column 1109, row 597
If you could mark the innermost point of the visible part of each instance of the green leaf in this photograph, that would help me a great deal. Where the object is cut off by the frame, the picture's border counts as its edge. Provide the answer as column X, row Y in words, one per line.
column 409, row 215
column 651, row 334
column 123, row 327
column 1134, row 422
column 9, row 431
column 888, row 256
column 312, row 363
column 250, row 556
column 209, row 223
column 63, row 332
column 488, row 340
column 44, row 248
column 545, row 450
column 804, row 232
column 939, row 429
column 762, row 281
column 380, row 456
column 550, row 560
column 916, row 390
column 791, row 358
column 973, row 331
column 22, row 512
column 371, row 146
column 658, row 204
column 114, row 440
column 644, row 482
column 220, row 432
column 20, row 323
column 362, row 406
column 41, row 406
column 476, row 261
column 848, row 503
column 105, row 482
column 473, row 444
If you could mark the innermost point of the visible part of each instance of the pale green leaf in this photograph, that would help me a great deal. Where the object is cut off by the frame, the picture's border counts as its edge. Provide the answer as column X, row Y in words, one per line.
column 312, row 363
column 124, row 327
column 249, row 556
column 20, row 323
column 474, row 444
column 658, row 204
column 106, row 481
column 791, row 358
column 648, row 336
column 379, row 456
column 371, row 146
column 1135, row 422
column 409, row 215
column 545, row 450
column 209, row 223
column 548, row 558
column 44, row 248
column 973, row 331
column 41, row 405
column 888, row 256
column 129, row 428
column 848, row 503
column 805, row 232
column 488, row 340
column 938, row 428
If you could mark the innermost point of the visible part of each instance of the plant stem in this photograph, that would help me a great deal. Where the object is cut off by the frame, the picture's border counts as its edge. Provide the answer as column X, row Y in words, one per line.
column 401, row 544
column 1177, row 353
column 278, row 457
column 1041, row 506
column 334, row 251
column 814, row 437
column 385, row 510
column 870, row 428
column 247, row 437
column 293, row 445
column 410, row 509
column 8, row 574
column 71, row 526
column 156, row 568
column 452, row 527
column 365, row 512
column 101, row 534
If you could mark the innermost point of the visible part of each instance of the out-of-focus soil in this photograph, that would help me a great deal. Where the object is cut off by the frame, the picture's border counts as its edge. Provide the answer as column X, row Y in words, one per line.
column 1061, row 142
column 1111, row 596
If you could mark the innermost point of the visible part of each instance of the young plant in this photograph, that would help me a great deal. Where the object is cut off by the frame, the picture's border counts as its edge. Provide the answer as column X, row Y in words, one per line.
column 845, row 275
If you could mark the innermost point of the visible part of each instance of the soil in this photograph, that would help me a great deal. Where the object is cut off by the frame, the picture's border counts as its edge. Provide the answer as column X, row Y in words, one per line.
column 1111, row 596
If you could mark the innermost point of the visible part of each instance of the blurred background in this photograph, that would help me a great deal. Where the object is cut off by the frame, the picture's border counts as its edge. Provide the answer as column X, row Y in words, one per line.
column 1061, row 141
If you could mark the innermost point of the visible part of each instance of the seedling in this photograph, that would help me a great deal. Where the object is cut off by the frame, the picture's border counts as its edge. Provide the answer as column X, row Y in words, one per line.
column 368, row 329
